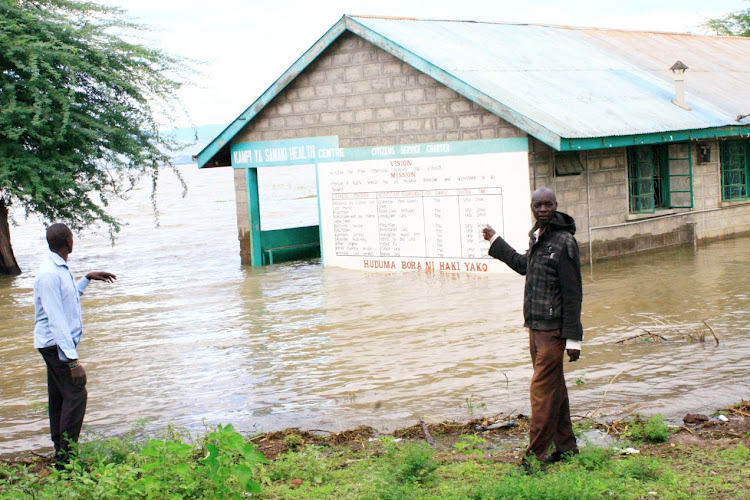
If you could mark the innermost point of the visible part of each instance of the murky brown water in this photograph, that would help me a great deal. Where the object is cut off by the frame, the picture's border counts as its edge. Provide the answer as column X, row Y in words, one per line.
column 188, row 336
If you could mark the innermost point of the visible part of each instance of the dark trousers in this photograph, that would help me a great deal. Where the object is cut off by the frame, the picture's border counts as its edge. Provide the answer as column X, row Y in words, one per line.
column 550, row 410
column 67, row 404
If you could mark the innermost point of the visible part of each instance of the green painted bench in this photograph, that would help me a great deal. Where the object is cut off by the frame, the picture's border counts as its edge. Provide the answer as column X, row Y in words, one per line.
column 268, row 252
column 279, row 245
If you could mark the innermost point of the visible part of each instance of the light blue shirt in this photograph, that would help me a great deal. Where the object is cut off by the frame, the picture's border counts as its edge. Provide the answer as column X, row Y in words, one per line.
column 57, row 302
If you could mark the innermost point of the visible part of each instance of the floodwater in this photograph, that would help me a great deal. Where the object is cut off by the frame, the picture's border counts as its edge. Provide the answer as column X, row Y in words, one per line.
column 188, row 336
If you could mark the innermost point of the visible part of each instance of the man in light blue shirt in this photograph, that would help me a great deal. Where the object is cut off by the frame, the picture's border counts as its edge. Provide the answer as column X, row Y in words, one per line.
column 57, row 332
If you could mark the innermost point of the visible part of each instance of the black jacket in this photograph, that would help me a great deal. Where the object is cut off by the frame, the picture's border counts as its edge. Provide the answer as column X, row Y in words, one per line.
column 552, row 265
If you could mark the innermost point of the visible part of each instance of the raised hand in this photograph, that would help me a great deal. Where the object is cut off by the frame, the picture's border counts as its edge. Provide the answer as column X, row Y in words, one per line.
column 101, row 276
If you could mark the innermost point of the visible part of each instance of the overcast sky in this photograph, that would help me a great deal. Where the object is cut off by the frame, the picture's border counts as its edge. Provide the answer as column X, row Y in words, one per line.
column 246, row 44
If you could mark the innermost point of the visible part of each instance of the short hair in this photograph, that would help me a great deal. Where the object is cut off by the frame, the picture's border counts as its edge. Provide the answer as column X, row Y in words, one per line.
column 57, row 236
column 544, row 190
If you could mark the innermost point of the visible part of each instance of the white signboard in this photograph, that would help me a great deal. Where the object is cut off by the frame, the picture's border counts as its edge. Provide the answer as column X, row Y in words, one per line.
column 423, row 212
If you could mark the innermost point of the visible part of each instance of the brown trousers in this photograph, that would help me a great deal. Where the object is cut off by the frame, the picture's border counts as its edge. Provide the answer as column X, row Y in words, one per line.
column 550, row 410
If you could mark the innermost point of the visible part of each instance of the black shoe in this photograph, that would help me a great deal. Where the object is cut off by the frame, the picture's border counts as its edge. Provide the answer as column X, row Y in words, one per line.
column 62, row 459
column 557, row 456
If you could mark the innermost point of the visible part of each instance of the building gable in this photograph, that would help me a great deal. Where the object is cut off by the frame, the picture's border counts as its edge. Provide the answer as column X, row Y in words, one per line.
column 367, row 97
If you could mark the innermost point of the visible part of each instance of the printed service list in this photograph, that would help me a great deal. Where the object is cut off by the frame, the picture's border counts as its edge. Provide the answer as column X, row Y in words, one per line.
column 441, row 223
column 420, row 213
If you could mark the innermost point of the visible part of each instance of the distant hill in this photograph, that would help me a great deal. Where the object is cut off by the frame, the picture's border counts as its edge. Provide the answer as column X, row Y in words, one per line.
column 187, row 136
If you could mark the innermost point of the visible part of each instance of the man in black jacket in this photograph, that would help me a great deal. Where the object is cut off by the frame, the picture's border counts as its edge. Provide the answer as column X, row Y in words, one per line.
column 552, row 313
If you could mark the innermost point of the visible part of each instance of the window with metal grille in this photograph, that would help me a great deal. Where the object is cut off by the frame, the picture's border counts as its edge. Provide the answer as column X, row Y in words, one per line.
column 735, row 163
column 660, row 177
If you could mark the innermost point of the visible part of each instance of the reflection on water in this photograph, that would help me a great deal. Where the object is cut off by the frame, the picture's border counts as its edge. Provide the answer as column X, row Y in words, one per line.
column 187, row 335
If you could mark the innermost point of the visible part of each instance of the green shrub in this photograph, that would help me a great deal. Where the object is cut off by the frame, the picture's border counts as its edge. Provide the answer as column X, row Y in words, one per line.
column 293, row 441
column 158, row 468
column 98, row 448
column 653, row 430
column 231, row 460
column 108, row 450
column 414, row 463
column 309, row 465
column 166, row 470
column 406, row 468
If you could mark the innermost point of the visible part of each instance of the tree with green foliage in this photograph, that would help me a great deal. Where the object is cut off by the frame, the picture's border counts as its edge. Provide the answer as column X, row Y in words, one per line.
column 733, row 24
column 81, row 105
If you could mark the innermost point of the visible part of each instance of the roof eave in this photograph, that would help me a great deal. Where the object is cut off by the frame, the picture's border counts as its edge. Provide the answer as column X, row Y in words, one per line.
column 589, row 143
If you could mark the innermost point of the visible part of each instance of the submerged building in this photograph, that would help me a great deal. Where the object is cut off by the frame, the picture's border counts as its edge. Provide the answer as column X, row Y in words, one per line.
column 645, row 136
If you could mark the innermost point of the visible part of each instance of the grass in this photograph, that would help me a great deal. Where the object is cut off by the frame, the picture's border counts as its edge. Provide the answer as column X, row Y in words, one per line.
column 222, row 464
column 411, row 470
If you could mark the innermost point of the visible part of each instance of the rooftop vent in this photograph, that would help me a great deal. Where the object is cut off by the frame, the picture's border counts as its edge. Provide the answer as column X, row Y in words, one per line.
column 679, row 69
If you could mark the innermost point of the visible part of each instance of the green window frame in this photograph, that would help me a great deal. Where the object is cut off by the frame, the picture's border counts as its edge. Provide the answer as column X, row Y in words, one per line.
column 660, row 177
column 735, row 170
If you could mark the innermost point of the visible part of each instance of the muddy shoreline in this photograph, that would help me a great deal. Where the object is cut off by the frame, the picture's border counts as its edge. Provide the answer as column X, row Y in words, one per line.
column 504, row 435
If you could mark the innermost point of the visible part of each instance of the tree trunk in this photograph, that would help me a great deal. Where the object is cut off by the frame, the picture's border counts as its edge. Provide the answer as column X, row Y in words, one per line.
column 8, row 264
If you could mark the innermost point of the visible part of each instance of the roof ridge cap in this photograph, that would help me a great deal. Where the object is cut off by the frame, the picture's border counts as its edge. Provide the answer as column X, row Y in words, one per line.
column 543, row 25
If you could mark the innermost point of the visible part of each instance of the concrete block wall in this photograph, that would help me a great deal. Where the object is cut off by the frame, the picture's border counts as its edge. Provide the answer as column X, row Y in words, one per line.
column 243, row 217
column 727, row 222
column 604, row 186
column 607, row 194
column 707, row 178
column 366, row 97
column 715, row 219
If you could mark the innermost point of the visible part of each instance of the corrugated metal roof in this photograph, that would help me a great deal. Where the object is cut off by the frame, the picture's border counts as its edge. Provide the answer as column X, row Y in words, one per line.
column 558, row 83
column 584, row 82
